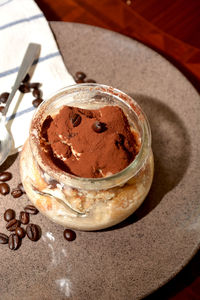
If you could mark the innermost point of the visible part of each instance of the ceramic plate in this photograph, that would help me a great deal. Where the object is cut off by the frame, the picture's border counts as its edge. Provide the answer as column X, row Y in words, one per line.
column 135, row 258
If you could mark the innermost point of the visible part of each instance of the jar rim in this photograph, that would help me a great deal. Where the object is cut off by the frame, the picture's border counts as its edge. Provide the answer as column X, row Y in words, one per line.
column 102, row 183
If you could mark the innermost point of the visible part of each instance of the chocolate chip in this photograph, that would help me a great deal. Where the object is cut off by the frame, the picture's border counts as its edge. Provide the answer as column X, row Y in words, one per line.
column 12, row 225
column 31, row 209
column 4, row 97
column 80, row 75
column 1, row 109
column 24, row 88
column 26, row 78
column 16, row 193
column 76, row 120
column 37, row 93
column 21, row 187
column 32, row 232
column 90, row 81
column 20, row 232
column 3, row 238
column 13, row 242
column 37, row 102
column 9, row 214
column 24, row 217
column 69, row 234
column 99, row 127
column 4, row 188
column 5, row 176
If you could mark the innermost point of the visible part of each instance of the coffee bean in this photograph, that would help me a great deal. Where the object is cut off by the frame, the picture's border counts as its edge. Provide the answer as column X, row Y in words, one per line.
column 1, row 109
column 16, row 193
column 21, row 187
column 4, row 188
column 24, row 217
column 5, row 176
column 4, row 97
column 80, row 75
column 37, row 102
column 9, row 214
column 3, row 238
column 99, row 127
column 76, row 120
column 32, row 232
column 79, row 81
column 24, row 88
column 31, row 209
column 34, row 85
column 20, row 232
column 13, row 242
column 12, row 225
column 36, row 93
column 26, row 78
column 90, row 81
column 69, row 234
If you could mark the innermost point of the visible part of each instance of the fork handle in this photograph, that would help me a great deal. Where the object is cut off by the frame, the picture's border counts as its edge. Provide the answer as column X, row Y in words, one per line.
column 31, row 54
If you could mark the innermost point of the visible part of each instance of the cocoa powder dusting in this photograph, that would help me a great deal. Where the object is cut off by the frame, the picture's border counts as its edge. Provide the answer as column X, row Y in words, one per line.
column 89, row 143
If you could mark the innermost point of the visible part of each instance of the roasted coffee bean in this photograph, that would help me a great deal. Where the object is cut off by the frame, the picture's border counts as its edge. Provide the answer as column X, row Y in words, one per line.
column 79, row 81
column 16, row 193
column 34, row 85
column 1, row 109
column 36, row 93
column 76, row 120
column 32, row 232
column 12, row 225
column 31, row 209
column 69, row 234
column 26, row 78
column 4, row 188
column 9, row 214
column 90, row 81
column 24, row 88
column 99, row 127
column 21, row 187
column 24, row 217
column 13, row 242
column 20, row 232
column 37, row 102
column 3, row 238
column 5, row 176
column 4, row 97
column 80, row 75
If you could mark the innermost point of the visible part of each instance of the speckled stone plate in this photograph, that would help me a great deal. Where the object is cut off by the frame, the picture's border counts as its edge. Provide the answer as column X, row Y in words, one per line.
column 136, row 257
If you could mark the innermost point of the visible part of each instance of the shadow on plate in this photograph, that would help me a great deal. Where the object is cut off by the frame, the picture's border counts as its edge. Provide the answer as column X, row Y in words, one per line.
column 171, row 148
column 183, row 286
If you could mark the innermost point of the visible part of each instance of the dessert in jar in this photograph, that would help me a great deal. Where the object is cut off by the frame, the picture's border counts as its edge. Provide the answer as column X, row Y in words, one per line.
column 88, row 163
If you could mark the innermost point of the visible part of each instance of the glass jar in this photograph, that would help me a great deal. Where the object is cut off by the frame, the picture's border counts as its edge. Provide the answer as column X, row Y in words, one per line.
column 87, row 203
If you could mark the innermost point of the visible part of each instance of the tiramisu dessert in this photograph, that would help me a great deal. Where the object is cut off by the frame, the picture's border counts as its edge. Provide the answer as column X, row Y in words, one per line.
column 88, row 162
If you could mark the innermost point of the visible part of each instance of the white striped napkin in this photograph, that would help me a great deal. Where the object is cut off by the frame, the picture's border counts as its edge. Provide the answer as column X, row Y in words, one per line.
column 22, row 22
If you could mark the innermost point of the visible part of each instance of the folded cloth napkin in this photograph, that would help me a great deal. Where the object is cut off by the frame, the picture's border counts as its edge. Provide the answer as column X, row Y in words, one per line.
column 21, row 23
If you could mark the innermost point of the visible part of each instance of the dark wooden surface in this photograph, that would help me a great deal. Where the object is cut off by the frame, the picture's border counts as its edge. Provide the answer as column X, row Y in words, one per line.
column 173, row 29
